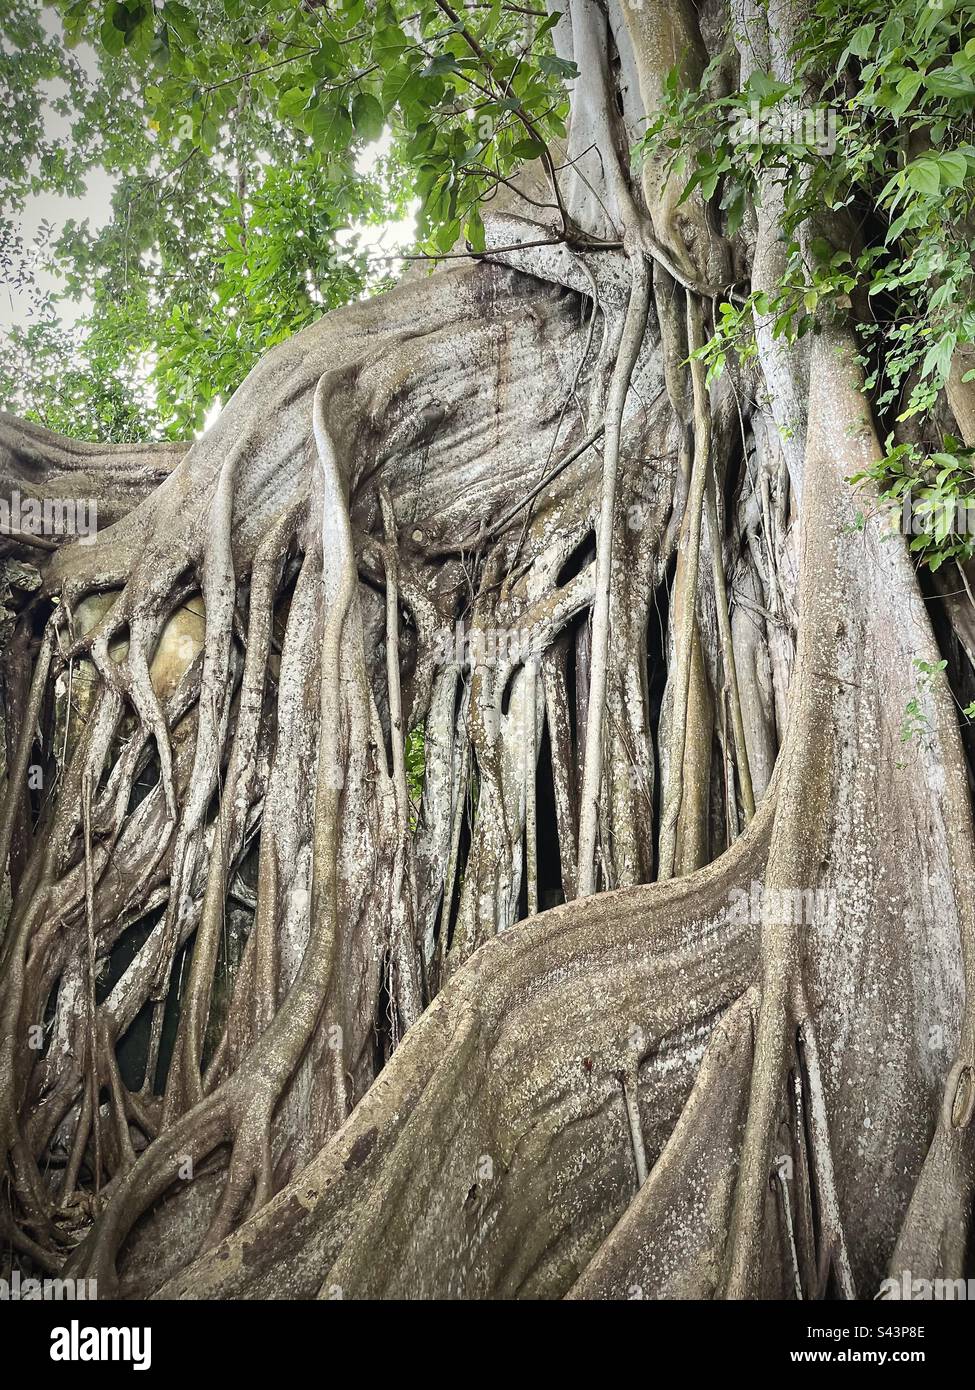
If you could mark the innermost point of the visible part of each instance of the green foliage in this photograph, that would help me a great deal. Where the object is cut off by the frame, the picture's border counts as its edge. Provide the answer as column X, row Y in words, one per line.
column 915, row 721
column 877, row 128
column 938, row 492
column 415, row 763
column 234, row 133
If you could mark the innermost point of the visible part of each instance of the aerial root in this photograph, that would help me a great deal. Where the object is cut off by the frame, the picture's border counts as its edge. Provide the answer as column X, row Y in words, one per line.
column 632, row 334
column 833, row 1253
column 250, row 1171
column 685, row 622
column 630, row 1087
column 228, row 1099
column 18, row 771
column 728, row 654
column 92, row 812
column 235, row 801
column 803, row 1182
column 406, row 973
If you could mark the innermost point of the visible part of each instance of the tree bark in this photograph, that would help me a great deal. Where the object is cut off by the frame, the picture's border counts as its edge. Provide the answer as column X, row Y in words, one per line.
column 475, row 505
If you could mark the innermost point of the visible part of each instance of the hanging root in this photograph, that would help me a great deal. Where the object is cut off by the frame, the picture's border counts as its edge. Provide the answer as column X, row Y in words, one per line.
column 587, row 1099
column 686, row 597
column 631, row 340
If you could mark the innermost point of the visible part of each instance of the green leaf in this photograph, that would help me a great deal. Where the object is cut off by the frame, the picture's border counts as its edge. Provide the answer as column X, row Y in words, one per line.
column 924, row 176
column 765, row 87
column 862, row 41
column 937, row 359
column 159, row 49
column 557, row 67
column 331, row 126
column 112, row 38
column 367, row 117
column 892, row 33
column 293, row 103
column 528, row 149
column 736, row 212
column 954, row 169
column 474, row 231
column 949, row 82
column 441, row 63
column 328, row 61
column 907, row 89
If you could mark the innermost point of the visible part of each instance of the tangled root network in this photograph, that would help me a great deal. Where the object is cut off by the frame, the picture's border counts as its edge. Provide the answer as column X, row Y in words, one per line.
column 659, row 973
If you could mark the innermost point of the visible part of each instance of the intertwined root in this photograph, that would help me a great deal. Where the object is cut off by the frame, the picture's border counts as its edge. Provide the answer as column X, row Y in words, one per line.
column 339, row 531
column 501, row 1152
column 281, row 728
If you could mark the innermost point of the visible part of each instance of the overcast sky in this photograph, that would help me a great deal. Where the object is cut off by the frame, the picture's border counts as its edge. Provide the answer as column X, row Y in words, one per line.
column 94, row 205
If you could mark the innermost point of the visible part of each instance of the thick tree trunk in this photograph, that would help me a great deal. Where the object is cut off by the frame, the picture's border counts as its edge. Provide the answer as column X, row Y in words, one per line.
column 476, row 505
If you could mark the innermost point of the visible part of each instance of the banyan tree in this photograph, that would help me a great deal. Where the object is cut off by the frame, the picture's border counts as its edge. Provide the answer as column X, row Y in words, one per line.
column 657, row 980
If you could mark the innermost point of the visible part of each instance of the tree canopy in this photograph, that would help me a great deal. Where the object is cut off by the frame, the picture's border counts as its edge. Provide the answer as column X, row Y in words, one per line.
column 234, row 135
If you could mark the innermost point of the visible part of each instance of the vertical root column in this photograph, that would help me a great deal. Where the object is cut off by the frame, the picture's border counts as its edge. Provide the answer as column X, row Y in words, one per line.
column 631, row 340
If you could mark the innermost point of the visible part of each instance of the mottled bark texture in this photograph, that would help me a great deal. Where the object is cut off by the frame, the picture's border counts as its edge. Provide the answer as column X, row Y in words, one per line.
column 268, row 1029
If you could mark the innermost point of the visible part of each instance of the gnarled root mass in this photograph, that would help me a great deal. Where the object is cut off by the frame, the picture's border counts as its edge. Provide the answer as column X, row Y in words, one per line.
column 662, row 980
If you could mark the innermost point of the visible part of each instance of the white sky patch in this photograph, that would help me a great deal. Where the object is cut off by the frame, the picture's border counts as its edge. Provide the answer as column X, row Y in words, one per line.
column 391, row 237
column 95, row 204
column 210, row 418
